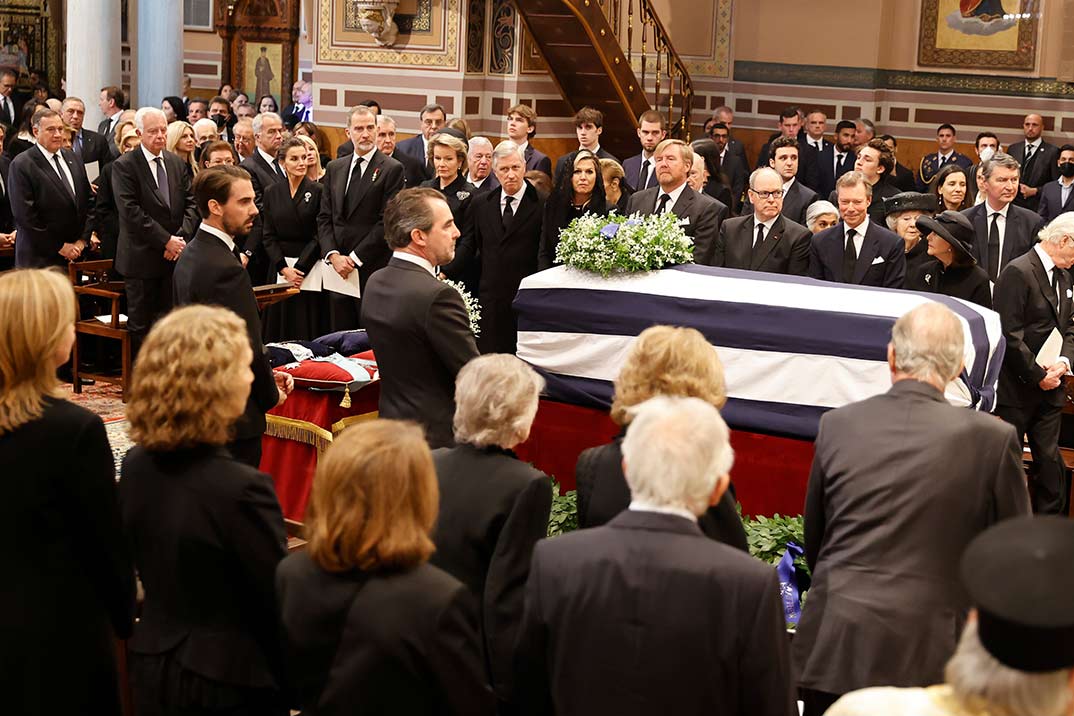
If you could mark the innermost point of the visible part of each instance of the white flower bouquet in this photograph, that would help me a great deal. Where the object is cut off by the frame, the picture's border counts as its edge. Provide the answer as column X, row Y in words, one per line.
column 473, row 307
column 617, row 244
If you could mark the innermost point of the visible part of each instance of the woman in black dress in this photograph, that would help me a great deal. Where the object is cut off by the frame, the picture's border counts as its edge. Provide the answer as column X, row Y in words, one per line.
column 68, row 583
column 206, row 530
column 664, row 360
column 577, row 193
column 956, row 273
column 289, row 226
column 447, row 153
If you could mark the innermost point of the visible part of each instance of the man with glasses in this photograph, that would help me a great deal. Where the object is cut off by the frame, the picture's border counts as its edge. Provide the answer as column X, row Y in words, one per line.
column 764, row 240
column 433, row 117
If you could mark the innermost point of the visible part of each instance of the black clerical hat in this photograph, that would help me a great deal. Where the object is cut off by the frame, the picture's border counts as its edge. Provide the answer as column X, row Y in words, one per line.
column 909, row 201
column 452, row 132
column 953, row 227
column 1020, row 576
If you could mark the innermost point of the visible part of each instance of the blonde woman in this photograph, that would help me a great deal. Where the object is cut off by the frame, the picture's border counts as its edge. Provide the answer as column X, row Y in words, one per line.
column 181, row 142
column 400, row 632
column 121, row 131
column 69, row 584
column 664, row 360
column 314, row 169
column 205, row 529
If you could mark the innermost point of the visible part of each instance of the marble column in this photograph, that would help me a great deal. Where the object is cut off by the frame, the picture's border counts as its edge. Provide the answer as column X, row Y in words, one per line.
column 93, row 52
column 159, row 59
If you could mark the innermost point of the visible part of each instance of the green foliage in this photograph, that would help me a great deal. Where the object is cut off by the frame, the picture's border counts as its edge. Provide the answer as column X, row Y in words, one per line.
column 768, row 538
column 617, row 244
column 564, row 515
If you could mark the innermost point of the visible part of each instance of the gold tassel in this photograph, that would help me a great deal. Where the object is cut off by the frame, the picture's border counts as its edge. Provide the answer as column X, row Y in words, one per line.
column 346, row 402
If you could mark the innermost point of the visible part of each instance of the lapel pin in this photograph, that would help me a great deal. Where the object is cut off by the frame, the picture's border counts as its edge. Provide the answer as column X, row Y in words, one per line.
column 308, row 195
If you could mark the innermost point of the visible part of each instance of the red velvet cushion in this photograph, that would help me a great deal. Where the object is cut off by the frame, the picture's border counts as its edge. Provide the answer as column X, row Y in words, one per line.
column 324, row 371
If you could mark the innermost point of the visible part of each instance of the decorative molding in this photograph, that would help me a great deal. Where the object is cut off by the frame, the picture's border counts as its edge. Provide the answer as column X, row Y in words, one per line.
column 878, row 79
column 475, row 35
column 418, row 23
column 504, row 38
column 719, row 64
column 446, row 57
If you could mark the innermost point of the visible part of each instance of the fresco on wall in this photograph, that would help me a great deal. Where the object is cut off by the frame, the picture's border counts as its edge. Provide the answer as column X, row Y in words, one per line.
column 993, row 34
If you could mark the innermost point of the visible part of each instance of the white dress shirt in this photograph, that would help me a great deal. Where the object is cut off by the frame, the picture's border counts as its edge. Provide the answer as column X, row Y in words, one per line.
column 1031, row 148
column 642, row 506
column 859, row 236
column 787, row 185
column 1065, row 185
column 271, row 160
column 223, row 236
column 674, row 194
column 367, row 157
column 516, row 203
column 767, row 227
column 1049, row 269
column 941, row 158
column 415, row 259
column 63, row 165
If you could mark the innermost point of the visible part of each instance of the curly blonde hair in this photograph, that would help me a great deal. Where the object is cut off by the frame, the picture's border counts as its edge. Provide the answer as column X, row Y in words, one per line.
column 374, row 499
column 37, row 308
column 668, row 360
column 188, row 386
column 496, row 399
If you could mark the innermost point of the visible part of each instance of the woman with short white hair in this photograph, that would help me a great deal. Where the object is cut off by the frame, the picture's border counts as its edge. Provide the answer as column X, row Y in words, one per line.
column 493, row 506
column 821, row 215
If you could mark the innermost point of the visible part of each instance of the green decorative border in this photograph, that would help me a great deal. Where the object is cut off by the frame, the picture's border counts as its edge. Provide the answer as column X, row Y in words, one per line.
column 866, row 78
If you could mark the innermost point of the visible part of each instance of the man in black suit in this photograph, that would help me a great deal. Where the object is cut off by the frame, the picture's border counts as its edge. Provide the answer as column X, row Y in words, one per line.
column 731, row 164
column 857, row 250
column 1055, row 197
column 301, row 107
column 699, row 215
column 726, row 116
column 479, row 165
column 209, row 271
column 790, row 124
column 350, row 224
column 588, row 126
column 414, row 169
column 1002, row 231
column 507, row 235
column 50, row 199
column 87, row 145
column 1038, row 161
column 764, row 240
column 816, row 124
column 640, row 169
column 111, row 103
column 10, row 107
column 901, row 176
column 1033, row 299
column 931, row 164
column 885, row 609
column 836, row 159
column 418, row 326
column 264, row 170
column 521, row 128
column 432, row 117
column 590, row 645
column 796, row 196
column 7, row 220
column 157, row 216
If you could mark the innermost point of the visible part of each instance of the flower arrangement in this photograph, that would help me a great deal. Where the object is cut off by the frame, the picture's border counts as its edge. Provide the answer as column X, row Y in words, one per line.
column 473, row 307
column 617, row 244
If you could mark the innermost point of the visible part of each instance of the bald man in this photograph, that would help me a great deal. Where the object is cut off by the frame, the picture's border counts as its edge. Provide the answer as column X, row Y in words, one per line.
column 1038, row 159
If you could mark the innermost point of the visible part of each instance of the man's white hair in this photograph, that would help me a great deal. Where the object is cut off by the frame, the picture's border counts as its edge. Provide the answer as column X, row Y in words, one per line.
column 505, row 150
column 483, row 141
column 674, row 451
column 259, row 120
column 385, row 119
column 764, row 171
column 1060, row 226
column 143, row 112
column 928, row 343
column 207, row 124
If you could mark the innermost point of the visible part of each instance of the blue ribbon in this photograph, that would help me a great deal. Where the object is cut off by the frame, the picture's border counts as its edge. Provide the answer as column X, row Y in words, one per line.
column 788, row 583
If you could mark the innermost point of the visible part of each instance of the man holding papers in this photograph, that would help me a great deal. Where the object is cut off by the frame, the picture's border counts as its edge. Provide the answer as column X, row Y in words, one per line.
column 1033, row 297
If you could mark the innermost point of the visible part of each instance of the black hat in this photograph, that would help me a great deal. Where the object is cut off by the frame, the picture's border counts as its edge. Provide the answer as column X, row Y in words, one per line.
column 452, row 132
column 952, row 227
column 909, row 201
column 1020, row 576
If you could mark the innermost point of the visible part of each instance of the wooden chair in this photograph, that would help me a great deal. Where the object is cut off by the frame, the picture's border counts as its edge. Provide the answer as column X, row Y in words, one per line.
column 94, row 279
column 296, row 535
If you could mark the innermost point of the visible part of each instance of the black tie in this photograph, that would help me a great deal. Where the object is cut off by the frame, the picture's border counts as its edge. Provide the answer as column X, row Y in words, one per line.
column 662, row 203
column 1030, row 155
column 162, row 183
column 63, row 177
column 850, row 257
column 760, row 236
column 508, row 214
column 279, row 171
column 356, row 174
column 644, row 174
column 838, row 163
column 993, row 248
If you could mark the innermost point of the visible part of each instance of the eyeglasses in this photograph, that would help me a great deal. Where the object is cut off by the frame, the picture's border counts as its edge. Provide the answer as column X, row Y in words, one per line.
column 777, row 194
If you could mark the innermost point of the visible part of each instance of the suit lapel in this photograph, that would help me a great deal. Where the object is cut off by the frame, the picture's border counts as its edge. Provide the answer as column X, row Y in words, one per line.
column 980, row 234
column 1045, row 286
column 791, row 202
column 526, row 208
column 870, row 247
column 761, row 252
column 50, row 172
column 684, row 204
column 366, row 181
column 1014, row 228
column 1068, row 205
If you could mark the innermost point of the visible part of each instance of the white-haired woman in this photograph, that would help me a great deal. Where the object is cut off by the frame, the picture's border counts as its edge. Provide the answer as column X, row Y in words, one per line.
column 493, row 507
column 821, row 215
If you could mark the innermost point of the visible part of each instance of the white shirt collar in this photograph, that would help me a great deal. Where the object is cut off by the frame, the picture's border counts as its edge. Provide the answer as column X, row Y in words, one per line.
column 674, row 193
column 48, row 154
column 476, row 182
column 594, row 149
column 522, row 147
column 642, row 506
column 787, row 185
column 368, row 156
column 267, row 157
column 414, row 259
column 1032, row 144
column 943, row 156
column 149, row 157
column 1002, row 212
column 518, row 197
column 218, row 234
column 766, row 224
column 1044, row 259
column 861, row 228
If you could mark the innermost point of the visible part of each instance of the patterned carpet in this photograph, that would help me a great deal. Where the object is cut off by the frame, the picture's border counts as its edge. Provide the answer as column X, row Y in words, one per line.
column 106, row 401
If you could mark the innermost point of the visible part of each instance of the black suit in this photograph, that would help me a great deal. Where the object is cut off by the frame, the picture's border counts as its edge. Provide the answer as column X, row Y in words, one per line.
column 507, row 256
column 459, row 196
column 1051, row 201
column 95, row 148
column 883, row 189
column 208, row 272
column 292, row 114
column 1022, row 227
column 46, row 215
column 796, row 201
column 386, row 642
column 827, row 172
column 537, row 161
column 415, row 149
column 420, row 331
column 1043, row 167
column 146, row 224
column 262, row 175
column 900, row 484
column 1026, row 302
column 207, row 533
column 732, row 167
column 881, row 261
column 493, row 510
column 785, row 248
column 69, row 581
column 289, row 230
column 104, row 219
column 603, row 493
column 7, row 221
column 105, row 129
column 903, row 178
column 613, row 625
column 353, row 222
column 415, row 169
column 736, row 147
column 632, row 170
column 701, row 213
column 808, row 169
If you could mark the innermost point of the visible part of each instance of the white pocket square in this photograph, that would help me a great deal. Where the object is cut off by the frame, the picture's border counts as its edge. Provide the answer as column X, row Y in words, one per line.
column 878, row 260
column 1070, row 293
column 684, row 222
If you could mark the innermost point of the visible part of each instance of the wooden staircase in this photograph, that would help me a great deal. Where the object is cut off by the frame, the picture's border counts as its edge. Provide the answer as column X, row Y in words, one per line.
column 615, row 56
